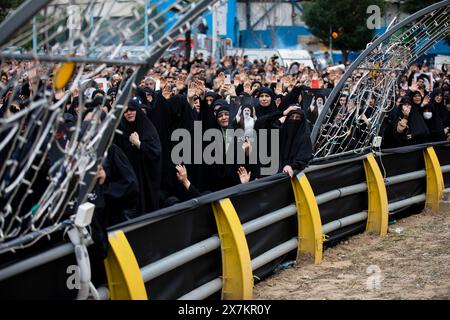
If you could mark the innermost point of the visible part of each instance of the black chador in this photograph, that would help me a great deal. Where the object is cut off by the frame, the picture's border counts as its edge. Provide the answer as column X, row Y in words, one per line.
column 121, row 191
column 295, row 142
column 145, row 158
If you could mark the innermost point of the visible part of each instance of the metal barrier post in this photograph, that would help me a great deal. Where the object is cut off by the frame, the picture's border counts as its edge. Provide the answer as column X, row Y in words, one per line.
column 309, row 224
column 378, row 212
column 435, row 179
column 236, row 262
column 122, row 270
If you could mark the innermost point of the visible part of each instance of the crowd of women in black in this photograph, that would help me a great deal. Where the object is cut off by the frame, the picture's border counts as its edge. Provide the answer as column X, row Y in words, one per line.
column 138, row 175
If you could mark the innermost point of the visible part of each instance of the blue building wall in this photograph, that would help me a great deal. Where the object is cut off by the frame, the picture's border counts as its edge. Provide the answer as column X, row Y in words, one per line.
column 276, row 36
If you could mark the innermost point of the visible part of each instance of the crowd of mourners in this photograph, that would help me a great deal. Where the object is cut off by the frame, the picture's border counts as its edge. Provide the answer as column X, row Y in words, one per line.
column 138, row 175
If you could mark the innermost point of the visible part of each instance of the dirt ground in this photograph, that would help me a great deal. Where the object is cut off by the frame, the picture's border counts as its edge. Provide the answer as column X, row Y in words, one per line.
column 411, row 262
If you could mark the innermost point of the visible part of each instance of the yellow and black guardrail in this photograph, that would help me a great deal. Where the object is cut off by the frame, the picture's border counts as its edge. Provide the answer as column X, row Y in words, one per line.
column 217, row 245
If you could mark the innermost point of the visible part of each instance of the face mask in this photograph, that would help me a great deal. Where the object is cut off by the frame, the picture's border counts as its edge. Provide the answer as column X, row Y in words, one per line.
column 427, row 115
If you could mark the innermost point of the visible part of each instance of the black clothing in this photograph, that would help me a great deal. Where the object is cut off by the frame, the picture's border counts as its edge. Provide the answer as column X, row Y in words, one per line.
column 295, row 143
column 120, row 190
column 146, row 160
column 416, row 128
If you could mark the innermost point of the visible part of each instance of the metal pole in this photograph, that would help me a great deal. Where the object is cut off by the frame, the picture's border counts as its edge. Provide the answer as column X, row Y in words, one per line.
column 315, row 132
column 91, row 20
column 405, row 177
column 34, row 35
column 179, row 258
column 19, row 18
column 204, row 291
column 445, row 168
column 346, row 221
column 274, row 253
column 146, row 24
column 36, row 261
column 214, row 31
column 407, row 202
column 340, row 193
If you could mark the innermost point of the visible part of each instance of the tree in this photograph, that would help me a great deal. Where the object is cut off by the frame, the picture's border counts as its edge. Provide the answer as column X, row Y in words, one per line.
column 6, row 6
column 346, row 19
column 411, row 6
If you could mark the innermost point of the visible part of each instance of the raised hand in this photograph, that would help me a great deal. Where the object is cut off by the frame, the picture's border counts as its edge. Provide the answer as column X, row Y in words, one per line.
column 134, row 139
column 244, row 176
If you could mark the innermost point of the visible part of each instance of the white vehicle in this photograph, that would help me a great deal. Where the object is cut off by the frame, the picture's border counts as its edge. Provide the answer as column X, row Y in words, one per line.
column 439, row 60
column 286, row 56
column 289, row 56
column 254, row 54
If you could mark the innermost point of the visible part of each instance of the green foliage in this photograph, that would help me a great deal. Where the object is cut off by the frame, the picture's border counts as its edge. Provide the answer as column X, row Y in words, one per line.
column 411, row 6
column 346, row 17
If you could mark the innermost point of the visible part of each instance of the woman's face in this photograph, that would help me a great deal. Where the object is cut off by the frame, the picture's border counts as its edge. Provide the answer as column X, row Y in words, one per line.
column 406, row 109
column 265, row 100
column 197, row 105
column 438, row 98
column 295, row 116
column 417, row 99
column 130, row 115
column 222, row 119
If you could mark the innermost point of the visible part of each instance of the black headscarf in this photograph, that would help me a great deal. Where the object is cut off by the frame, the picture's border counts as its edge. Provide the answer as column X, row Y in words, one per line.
column 295, row 142
column 261, row 111
column 417, row 127
column 146, row 161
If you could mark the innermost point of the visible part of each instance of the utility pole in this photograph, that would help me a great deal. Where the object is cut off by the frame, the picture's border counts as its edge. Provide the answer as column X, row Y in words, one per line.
column 146, row 24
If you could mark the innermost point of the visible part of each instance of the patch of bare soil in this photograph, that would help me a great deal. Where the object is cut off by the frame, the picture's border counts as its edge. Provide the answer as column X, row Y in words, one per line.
column 411, row 262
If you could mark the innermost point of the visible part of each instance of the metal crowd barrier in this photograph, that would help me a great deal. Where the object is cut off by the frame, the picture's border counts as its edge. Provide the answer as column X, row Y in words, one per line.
column 126, row 279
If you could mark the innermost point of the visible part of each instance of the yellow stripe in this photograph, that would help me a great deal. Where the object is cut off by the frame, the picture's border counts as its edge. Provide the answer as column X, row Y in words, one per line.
column 378, row 211
column 122, row 270
column 236, row 262
column 309, row 223
column 435, row 179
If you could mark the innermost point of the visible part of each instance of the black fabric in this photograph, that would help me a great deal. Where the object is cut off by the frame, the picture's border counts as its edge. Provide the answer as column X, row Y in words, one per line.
column 153, row 242
column 45, row 282
column 295, row 143
column 336, row 236
column 416, row 127
column 256, row 204
column 399, row 163
column 331, row 178
column 262, row 111
column 393, row 164
column 343, row 207
column 121, row 189
column 443, row 154
column 146, row 160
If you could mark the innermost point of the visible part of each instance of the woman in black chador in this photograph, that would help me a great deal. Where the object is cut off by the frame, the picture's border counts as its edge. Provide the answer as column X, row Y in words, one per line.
column 140, row 142
column 295, row 142
column 409, row 127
